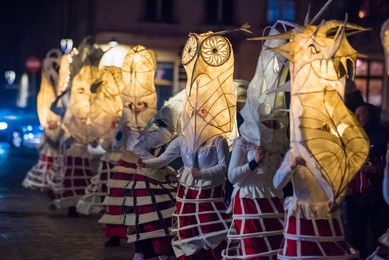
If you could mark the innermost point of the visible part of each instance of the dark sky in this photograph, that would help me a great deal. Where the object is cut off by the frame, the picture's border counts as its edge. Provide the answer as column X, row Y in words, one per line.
column 27, row 28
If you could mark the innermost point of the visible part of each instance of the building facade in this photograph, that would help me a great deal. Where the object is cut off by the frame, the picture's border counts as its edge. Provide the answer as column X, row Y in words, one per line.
column 164, row 25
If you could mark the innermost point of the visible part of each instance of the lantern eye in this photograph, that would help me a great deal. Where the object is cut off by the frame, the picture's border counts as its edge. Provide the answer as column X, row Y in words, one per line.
column 313, row 48
column 215, row 50
column 202, row 112
column 190, row 50
column 128, row 104
column 137, row 107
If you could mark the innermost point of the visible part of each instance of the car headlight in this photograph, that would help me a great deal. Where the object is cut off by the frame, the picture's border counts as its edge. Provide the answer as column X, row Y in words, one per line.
column 3, row 125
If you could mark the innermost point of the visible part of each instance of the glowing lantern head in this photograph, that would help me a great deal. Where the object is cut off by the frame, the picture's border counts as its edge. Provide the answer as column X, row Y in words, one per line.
column 64, row 72
column 106, row 104
column 139, row 96
column 77, row 114
column 48, row 93
column 209, row 104
column 265, row 118
column 321, row 58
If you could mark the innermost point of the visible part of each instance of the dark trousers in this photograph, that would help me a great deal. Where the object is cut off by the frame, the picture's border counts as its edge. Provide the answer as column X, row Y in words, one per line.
column 367, row 218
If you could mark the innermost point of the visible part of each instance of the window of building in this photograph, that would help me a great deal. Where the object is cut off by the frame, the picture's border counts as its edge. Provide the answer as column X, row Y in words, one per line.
column 220, row 12
column 159, row 11
column 164, row 78
column 369, row 80
column 280, row 10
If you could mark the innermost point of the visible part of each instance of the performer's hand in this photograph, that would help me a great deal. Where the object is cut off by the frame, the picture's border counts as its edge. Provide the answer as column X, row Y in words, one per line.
column 259, row 154
column 140, row 164
column 196, row 173
column 298, row 161
column 332, row 207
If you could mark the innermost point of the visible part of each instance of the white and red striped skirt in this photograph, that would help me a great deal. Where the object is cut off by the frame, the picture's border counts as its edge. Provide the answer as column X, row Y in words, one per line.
column 257, row 228
column 148, row 207
column 92, row 201
column 113, row 218
column 36, row 177
column 200, row 220
column 315, row 239
column 76, row 176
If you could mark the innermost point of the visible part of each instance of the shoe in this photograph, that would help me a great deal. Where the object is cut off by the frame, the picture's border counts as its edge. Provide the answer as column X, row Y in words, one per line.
column 112, row 242
column 138, row 256
column 53, row 207
column 163, row 257
column 72, row 212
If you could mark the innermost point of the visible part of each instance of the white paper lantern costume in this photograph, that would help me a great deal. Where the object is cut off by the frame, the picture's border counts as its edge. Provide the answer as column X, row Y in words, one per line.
column 48, row 148
column 77, row 170
column 105, row 110
column 325, row 133
column 201, row 222
column 139, row 203
column 56, row 131
column 257, row 225
column 124, row 141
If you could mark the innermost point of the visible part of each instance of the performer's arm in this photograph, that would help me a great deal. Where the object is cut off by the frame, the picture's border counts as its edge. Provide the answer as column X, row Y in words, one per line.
column 172, row 152
column 151, row 140
column 285, row 171
column 238, row 168
column 221, row 166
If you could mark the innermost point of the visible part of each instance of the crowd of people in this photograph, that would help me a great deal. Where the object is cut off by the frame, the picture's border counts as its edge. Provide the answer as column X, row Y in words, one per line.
column 162, row 185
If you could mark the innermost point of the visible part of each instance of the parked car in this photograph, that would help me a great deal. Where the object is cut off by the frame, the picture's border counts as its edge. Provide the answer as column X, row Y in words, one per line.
column 20, row 127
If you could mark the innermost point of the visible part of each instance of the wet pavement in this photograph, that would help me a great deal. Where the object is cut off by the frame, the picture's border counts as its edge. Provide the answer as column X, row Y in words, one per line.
column 30, row 231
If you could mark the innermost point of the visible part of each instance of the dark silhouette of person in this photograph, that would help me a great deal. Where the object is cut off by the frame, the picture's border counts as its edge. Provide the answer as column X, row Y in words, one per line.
column 366, row 211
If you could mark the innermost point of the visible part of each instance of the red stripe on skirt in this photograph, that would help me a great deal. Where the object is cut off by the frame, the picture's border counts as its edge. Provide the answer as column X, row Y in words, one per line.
column 203, row 206
column 118, row 230
column 309, row 248
column 256, row 245
column 161, row 245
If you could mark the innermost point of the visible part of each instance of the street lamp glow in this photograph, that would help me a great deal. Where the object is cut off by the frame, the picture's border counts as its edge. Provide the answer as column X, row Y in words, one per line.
column 3, row 125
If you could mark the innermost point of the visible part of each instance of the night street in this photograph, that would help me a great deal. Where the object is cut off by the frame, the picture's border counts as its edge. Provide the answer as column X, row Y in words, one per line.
column 29, row 230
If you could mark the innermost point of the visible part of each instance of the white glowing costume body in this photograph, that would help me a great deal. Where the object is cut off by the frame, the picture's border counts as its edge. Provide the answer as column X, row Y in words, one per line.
column 36, row 177
column 257, row 225
column 323, row 132
column 139, row 203
column 205, row 196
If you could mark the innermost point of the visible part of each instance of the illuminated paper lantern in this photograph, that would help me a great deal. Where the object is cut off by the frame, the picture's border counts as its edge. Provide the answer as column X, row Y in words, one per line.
column 76, row 119
column 139, row 95
column 113, row 56
column 385, row 43
column 321, row 127
column 48, row 93
column 209, row 104
column 64, row 73
column 48, row 88
column 265, row 116
column 106, row 104
column 170, row 114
